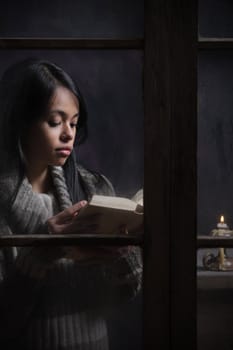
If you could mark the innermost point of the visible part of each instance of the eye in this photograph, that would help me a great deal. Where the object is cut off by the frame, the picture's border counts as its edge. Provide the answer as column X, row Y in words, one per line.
column 53, row 123
column 73, row 125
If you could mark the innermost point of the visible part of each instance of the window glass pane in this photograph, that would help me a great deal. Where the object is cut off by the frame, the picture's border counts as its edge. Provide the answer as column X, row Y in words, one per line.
column 215, row 18
column 82, row 19
column 111, row 83
column 215, row 186
column 54, row 300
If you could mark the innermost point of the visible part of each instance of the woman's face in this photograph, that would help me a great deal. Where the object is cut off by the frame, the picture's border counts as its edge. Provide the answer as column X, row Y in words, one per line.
column 50, row 140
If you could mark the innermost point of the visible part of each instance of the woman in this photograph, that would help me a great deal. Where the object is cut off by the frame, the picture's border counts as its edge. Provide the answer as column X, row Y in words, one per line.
column 52, row 298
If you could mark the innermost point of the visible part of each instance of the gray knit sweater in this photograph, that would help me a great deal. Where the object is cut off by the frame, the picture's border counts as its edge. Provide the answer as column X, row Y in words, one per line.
column 61, row 305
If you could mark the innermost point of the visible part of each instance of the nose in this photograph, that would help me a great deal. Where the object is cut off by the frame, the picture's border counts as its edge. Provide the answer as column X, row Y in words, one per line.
column 67, row 133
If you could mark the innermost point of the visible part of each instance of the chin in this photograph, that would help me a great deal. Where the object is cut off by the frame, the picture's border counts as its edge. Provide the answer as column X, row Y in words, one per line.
column 59, row 162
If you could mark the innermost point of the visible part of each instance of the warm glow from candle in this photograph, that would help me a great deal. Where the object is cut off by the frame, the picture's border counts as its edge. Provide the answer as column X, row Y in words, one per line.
column 222, row 219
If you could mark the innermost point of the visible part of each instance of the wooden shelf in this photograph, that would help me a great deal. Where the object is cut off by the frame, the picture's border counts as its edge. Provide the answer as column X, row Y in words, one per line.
column 214, row 242
column 70, row 43
column 215, row 43
column 70, row 239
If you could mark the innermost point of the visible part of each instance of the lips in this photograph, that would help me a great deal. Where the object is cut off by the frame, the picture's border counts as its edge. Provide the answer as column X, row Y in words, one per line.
column 64, row 151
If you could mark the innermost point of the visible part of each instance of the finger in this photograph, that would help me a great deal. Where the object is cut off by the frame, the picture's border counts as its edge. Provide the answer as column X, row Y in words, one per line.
column 68, row 213
column 77, row 206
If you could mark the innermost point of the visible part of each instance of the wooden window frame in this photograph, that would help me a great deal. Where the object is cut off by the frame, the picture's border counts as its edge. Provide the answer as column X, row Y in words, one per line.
column 170, row 174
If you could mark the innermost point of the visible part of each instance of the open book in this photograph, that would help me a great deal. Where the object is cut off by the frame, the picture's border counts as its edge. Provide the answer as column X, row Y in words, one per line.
column 117, row 214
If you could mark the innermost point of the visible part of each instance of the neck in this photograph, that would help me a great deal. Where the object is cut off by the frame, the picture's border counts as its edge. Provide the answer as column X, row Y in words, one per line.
column 37, row 173
column 39, row 177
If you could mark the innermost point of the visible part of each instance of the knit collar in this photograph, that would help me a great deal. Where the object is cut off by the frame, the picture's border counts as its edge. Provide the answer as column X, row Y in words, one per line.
column 60, row 187
column 26, row 213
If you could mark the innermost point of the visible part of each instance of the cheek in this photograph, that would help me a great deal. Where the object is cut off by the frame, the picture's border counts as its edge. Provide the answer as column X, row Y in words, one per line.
column 41, row 141
column 47, row 138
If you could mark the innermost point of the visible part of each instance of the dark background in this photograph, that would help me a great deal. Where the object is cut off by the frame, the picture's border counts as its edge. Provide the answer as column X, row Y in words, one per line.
column 72, row 18
column 215, row 18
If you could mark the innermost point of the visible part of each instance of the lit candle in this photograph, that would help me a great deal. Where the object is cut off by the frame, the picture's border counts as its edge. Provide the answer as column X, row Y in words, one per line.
column 222, row 224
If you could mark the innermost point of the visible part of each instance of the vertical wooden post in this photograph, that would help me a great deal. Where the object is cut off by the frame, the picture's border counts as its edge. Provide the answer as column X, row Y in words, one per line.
column 170, row 96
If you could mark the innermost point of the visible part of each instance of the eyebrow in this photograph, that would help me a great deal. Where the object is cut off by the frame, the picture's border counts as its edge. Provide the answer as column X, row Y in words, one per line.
column 63, row 114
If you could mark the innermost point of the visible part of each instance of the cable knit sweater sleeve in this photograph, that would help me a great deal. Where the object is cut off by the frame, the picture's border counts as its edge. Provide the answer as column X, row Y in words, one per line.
column 21, row 216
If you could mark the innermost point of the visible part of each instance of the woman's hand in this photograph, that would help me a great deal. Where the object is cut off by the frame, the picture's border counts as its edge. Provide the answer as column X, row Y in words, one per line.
column 66, row 221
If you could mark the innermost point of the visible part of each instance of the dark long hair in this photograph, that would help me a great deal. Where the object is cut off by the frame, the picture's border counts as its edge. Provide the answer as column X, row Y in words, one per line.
column 26, row 89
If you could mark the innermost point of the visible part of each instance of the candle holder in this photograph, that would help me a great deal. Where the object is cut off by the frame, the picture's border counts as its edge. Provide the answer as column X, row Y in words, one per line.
column 219, row 262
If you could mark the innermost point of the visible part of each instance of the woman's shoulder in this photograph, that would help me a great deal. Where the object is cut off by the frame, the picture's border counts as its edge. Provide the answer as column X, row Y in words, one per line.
column 95, row 182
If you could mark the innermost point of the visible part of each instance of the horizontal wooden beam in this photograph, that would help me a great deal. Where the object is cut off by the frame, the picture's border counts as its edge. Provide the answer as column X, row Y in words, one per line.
column 70, row 239
column 70, row 43
column 214, row 242
column 215, row 43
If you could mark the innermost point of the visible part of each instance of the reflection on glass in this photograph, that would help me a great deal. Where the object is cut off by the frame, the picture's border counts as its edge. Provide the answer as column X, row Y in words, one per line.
column 51, row 300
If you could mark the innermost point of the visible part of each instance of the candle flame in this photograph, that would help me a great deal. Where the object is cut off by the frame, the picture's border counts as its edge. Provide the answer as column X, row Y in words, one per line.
column 222, row 219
